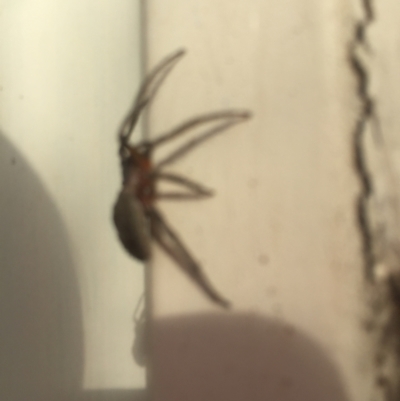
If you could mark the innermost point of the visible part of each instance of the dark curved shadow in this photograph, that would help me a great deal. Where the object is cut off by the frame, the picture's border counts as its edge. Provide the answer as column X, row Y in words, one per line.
column 41, row 340
column 239, row 357
column 205, row 357
column 41, row 346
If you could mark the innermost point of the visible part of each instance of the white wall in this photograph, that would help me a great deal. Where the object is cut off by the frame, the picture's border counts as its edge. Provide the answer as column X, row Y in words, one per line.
column 68, row 74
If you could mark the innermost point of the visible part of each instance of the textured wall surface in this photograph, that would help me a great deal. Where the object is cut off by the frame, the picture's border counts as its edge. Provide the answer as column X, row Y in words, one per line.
column 281, row 239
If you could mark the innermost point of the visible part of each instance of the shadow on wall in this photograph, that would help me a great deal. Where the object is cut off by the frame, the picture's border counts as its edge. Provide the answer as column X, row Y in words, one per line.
column 233, row 357
column 41, row 347
column 239, row 357
column 41, row 344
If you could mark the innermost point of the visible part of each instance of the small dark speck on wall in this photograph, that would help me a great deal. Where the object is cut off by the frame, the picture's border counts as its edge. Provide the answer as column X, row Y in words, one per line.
column 382, row 381
column 252, row 183
column 272, row 291
column 13, row 160
column 368, row 325
column 263, row 259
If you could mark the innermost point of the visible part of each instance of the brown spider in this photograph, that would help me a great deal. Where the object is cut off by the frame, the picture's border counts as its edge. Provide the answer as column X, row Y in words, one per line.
column 136, row 218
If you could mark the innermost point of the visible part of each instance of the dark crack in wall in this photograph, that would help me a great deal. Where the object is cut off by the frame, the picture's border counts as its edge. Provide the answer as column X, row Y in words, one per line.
column 379, row 253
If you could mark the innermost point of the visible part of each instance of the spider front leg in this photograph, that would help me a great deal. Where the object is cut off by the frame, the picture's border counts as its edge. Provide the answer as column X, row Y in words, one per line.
column 146, row 94
column 219, row 121
column 194, row 190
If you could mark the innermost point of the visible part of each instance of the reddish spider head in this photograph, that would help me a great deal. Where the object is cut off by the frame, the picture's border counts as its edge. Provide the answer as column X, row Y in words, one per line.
column 137, row 173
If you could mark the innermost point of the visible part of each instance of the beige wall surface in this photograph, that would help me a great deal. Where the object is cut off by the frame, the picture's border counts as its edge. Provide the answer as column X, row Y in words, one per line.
column 281, row 238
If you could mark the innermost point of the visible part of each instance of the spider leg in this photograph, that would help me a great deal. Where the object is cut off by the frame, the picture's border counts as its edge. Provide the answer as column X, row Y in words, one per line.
column 195, row 121
column 147, row 92
column 229, row 119
column 173, row 246
column 196, row 191
column 177, row 196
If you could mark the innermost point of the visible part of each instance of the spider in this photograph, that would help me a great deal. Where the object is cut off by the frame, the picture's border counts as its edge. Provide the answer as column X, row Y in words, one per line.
column 136, row 218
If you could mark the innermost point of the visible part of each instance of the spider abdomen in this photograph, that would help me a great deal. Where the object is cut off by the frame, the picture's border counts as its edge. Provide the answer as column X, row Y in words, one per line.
column 132, row 226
